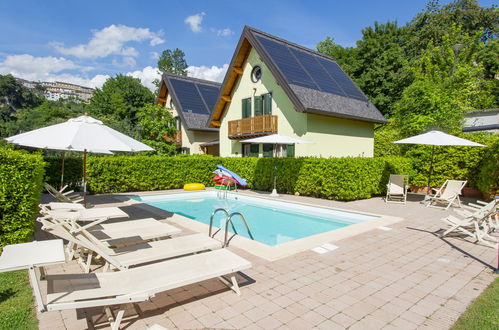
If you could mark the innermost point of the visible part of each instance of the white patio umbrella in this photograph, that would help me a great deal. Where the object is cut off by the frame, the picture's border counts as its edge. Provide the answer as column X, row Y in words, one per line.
column 437, row 138
column 83, row 133
column 276, row 139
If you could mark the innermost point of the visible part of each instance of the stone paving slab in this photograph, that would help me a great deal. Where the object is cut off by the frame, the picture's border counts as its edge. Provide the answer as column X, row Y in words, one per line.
column 405, row 278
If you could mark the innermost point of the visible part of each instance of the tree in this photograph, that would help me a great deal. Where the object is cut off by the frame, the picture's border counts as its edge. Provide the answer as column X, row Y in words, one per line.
column 448, row 81
column 437, row 20
column 118, row 101
column 173, row 61
column 48, row 113
column 156, row 125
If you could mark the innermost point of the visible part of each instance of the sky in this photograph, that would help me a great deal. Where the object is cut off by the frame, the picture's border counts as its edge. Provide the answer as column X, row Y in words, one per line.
column 86, row 42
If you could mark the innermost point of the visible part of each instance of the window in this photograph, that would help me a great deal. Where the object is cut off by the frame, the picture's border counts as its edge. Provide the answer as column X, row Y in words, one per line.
column 171, row 104
column 290, row 150
column 251, row 150
column 268, row 150
column 256, row 74
column 178, row 125
column 246, row 108
column 267, row 103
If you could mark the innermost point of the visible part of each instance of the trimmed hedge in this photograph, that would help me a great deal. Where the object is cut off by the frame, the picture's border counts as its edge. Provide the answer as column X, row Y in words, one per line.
column 21, row 181
column 333, row 178
column 73, row 171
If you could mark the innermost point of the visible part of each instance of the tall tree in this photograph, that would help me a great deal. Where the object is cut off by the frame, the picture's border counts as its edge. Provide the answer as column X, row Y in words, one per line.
column 157, row 127
column 173, row 61
column 118, row 101
column 448, row 81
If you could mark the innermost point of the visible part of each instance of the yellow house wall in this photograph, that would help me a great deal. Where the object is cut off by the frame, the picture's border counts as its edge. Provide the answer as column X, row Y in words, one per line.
column 191, row 139
column 332, row 137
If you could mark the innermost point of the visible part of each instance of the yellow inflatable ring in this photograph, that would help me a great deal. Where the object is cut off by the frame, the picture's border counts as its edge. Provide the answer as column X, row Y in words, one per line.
column 194, row 186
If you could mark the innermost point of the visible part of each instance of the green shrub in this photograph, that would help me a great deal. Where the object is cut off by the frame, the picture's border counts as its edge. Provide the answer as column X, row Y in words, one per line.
column 457, row 163
column 21, row 179
column 333, row 178
column 488, row 175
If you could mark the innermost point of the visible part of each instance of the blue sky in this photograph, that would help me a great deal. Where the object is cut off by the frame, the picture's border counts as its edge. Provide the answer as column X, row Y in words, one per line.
column 87, row 41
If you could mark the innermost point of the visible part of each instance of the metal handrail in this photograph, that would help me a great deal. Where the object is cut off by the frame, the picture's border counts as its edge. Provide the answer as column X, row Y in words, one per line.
column 227, row 227
column 211, row 219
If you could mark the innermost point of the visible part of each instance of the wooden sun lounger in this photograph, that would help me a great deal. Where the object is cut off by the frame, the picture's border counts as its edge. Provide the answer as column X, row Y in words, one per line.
column 72, row 291
column 448, row 194
column 63, row 196
column 93, row 216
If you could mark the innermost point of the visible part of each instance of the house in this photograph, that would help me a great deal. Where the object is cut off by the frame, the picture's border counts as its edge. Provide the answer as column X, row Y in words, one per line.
column 275, row 86
column 482, row 121
column 191, row 101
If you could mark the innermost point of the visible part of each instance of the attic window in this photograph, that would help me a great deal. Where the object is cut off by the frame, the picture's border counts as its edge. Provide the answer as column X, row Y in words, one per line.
column 256, row 74
column 171, row 104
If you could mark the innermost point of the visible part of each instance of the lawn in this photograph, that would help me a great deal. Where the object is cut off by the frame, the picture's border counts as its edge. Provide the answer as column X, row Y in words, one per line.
column 17, row 309
column 483, row 313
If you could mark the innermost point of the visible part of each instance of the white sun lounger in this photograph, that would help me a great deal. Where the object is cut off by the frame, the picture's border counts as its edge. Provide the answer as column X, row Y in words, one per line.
column 72, row 291
column 396, row 190
column 93, row 216
column 131, row 255
column 54, row 206
column 448, row 194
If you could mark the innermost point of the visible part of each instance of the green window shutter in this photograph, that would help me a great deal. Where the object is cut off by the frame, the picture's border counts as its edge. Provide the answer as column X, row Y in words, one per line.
column 267, row 150
column 246, row 108
column 267, row 104
column 290, row 150
column 258, row 106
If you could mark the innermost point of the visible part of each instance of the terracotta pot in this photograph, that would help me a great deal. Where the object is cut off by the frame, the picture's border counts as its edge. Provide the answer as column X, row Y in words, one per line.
column 472, row 192
column 418, row 189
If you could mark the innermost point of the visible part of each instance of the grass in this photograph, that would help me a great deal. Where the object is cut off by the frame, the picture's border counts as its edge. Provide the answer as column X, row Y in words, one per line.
column 17, row 309
column 483, row 312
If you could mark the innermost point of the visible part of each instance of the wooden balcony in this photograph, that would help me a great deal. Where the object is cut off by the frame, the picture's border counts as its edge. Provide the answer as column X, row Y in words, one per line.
column 252, row 127
column 176, row 139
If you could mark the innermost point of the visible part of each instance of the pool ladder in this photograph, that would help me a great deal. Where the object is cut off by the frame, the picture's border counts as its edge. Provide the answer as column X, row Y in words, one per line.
column 222, row 194
column 228, row 218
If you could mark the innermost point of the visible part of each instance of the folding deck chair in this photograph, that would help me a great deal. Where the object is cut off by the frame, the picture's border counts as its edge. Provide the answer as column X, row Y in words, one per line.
column 63, row 196
column 476, row 225
column 396, row 189
column 448, row 194
column 73, row 291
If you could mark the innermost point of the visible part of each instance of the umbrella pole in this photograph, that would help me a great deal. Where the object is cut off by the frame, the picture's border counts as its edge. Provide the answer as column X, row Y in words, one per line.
column 62, row 171
column 85, row 177
column 274, row 191
column 431, row 169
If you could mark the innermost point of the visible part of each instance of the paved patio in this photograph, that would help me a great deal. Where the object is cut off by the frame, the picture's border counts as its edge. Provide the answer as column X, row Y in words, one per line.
column 404, row 278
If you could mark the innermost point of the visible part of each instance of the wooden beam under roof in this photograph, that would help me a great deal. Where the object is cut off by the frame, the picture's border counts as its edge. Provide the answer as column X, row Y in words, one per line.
column 238, row 70
column 216, row 123
column 226, row 98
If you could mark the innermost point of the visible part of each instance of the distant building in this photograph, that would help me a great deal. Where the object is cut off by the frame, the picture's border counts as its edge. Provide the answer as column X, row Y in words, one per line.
column 482, row 121
column 56, row 90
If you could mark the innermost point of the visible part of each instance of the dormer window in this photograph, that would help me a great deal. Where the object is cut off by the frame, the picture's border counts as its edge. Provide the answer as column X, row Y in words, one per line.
column 256, row 74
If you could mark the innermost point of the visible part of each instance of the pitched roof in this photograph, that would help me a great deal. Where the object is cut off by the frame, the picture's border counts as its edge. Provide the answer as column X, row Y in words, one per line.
column 193, row 98
column 312, row 81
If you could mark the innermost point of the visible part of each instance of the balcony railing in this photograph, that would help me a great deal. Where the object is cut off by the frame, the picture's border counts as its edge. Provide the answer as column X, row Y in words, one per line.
column 176, row 139
column 252, row 127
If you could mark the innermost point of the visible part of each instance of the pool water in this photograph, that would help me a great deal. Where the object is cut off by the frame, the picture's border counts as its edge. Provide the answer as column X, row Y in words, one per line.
column 270, row 222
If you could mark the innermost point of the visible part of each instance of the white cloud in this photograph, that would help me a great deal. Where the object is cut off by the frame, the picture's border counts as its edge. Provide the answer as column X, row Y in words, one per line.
column 154, row 55
column 147, row 75
column 125, row 61
column 47, row 69
column 194, row 22
column 111, row 40
column 213, row 73
column 225, row 32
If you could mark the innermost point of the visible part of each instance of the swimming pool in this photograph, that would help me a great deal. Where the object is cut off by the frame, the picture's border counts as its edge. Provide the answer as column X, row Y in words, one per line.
column 271, row 222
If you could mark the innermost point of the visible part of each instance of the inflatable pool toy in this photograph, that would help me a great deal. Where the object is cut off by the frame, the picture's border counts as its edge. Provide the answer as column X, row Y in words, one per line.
column 194, row 186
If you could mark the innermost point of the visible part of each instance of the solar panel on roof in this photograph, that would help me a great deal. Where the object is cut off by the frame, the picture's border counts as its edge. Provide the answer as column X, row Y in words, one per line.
column 188, row 96
column 318, row 73
column 286, row 62
column 342, row 79
column 210, row 94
